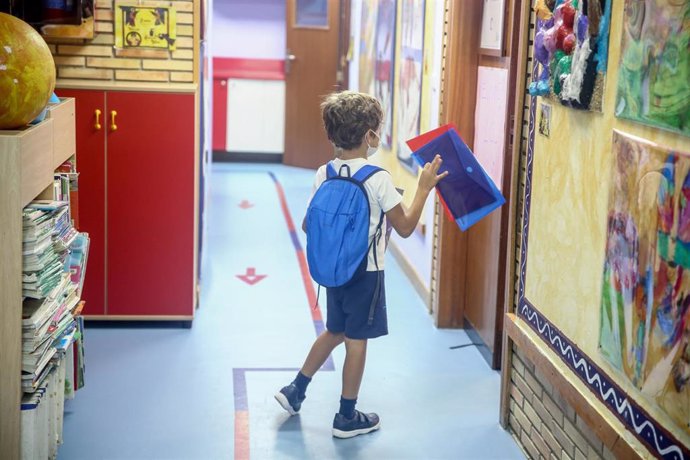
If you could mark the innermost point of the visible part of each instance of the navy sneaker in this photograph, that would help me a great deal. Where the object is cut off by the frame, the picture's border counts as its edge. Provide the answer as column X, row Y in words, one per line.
column 361, row 423
column 290, row 399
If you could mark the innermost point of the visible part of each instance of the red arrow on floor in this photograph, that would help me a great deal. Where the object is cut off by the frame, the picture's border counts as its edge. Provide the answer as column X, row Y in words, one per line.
column 251, row 278
column 245, row 204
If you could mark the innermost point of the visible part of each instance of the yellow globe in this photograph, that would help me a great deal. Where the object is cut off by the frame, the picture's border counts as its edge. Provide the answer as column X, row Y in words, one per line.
column 27, row 73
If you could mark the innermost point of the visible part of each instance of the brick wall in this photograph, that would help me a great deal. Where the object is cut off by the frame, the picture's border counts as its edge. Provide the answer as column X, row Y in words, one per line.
column 543, row 423
column 97, row 59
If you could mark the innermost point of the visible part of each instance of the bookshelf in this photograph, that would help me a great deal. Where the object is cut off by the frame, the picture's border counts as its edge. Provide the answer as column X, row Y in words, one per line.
column 28, row 159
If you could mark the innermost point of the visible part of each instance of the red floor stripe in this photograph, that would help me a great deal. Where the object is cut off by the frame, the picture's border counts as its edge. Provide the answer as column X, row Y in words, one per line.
column 303, row 266
column 241, row 435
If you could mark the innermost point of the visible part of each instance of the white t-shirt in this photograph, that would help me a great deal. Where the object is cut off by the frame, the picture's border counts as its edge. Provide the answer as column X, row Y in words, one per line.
column 382, row 197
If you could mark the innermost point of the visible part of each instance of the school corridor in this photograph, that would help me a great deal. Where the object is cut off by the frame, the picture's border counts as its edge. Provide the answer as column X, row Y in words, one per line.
column 207, row 392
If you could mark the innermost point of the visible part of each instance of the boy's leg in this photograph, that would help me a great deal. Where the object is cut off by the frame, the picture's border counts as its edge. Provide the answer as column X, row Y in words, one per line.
column 291, row 396
column 349, row 422
column 353, row 369
column 322, row 348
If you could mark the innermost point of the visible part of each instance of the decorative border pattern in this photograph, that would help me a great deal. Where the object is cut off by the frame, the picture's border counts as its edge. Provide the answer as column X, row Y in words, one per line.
column 660, row 442
column 636, row 419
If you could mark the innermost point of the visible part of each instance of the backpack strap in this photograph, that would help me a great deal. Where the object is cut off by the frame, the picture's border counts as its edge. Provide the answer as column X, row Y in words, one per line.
column 365, row 172
column 330, row 170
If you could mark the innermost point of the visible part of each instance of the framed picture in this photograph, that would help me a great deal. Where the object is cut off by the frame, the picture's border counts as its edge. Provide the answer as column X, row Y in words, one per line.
column 493, row 18
column 384, row 45
column 409, row 104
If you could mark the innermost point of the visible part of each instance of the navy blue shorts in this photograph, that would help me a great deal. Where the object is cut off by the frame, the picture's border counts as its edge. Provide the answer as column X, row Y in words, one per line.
column 348, row 308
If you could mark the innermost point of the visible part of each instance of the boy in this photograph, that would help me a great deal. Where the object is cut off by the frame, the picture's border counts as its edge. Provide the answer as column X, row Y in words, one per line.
column 352, row 121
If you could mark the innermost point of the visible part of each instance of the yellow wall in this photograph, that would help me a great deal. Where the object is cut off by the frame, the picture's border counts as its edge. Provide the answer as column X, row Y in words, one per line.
column 571, row 182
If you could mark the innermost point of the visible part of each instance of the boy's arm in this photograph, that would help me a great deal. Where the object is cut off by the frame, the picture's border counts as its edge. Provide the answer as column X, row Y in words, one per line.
column 405, row 220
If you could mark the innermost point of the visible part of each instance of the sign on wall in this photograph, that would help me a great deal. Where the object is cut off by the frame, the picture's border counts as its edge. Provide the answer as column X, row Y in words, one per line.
column 145, row 25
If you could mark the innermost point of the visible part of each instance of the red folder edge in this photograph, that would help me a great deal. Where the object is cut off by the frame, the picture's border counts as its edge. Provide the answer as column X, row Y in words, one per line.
column 420, row 141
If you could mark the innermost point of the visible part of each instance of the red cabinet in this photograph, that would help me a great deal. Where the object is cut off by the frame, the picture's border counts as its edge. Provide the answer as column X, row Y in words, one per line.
column 137, row 201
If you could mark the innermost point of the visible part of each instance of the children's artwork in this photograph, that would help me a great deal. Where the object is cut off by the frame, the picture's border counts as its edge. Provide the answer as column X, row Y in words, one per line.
column 645, row 303
column 571, row 46
column 366, row 46
column 654, row 80
column 145, row 25
column 385, row 59
column 410, row 102
column 545, row 120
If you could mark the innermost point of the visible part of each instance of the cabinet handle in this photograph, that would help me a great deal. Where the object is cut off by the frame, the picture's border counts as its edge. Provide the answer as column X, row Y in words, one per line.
column 113, row 126
column 97, row 126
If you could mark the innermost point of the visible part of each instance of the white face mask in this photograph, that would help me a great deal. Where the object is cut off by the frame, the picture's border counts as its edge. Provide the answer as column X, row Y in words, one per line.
column 372, row 150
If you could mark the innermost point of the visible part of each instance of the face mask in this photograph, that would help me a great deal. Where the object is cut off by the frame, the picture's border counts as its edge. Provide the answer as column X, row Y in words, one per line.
column 372, row 150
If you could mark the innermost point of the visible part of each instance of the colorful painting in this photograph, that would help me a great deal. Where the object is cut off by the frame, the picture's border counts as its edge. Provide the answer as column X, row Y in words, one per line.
column 385, row 59
column 645, row 303
column 654, row 80
column 145, row 25
column 571, row 47
column 366, row 46
column 411, row 63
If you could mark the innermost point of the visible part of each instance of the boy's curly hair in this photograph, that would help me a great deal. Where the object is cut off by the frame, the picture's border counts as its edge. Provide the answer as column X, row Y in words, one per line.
column 348, row 115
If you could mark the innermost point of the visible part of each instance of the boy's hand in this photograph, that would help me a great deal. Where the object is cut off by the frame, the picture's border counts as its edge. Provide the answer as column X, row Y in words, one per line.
column 430, row 176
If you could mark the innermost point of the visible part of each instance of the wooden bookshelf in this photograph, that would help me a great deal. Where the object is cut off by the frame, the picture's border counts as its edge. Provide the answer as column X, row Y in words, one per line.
column 28, row 158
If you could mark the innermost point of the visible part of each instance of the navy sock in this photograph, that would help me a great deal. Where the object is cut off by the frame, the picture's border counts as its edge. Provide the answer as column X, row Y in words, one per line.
column 347, row 407
column 301, row 382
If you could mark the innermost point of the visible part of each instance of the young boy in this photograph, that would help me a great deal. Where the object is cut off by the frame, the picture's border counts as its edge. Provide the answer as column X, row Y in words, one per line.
column 353, row 121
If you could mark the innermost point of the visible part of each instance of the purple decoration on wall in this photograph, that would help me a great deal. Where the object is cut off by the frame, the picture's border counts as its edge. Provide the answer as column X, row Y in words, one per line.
column 582, row 26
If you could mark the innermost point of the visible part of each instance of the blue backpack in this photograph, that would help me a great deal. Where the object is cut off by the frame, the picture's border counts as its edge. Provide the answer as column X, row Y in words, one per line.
column 337, row 225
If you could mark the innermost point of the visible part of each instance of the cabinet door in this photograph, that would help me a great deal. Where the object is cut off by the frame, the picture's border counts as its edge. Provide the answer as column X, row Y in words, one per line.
column 91, row 167
column 151, row 169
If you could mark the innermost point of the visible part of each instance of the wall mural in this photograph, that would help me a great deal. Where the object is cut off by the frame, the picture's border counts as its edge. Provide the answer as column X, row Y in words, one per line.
column 385, row 64
column 653, row 84
column 645, row 303
column 411, row 63
column 571, row 46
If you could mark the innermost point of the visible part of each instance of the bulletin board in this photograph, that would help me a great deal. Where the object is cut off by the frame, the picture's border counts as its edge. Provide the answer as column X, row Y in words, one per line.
column 577, row 230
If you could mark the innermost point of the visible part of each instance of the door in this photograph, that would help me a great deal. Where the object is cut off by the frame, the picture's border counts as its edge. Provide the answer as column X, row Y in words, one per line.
column 311, row 66
column 90, row 132
column 151, row 168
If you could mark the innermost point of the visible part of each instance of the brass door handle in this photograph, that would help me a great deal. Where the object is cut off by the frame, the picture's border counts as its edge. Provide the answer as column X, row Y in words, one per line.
column 113, row 126
column 97, row 126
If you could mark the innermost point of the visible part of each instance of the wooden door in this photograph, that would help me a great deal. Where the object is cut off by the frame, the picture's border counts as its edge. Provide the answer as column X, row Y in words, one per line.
column 151, row 168
column 90, row 132
column 311, row 68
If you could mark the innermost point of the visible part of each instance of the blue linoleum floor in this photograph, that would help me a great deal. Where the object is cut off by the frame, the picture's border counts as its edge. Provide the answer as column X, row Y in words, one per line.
column 176, row 393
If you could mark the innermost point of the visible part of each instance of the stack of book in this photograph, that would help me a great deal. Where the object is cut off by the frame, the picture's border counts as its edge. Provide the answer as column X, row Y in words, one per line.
column 54, row 266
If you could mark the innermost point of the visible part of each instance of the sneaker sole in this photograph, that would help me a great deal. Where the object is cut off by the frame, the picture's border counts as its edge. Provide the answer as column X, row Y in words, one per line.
column 284, row 403
column 351, row 434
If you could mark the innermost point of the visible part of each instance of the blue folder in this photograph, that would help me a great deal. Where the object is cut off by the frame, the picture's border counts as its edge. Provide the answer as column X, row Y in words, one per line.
column 467, row 193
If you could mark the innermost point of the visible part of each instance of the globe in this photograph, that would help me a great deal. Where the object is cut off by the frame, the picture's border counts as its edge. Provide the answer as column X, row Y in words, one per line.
column 27, row 73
